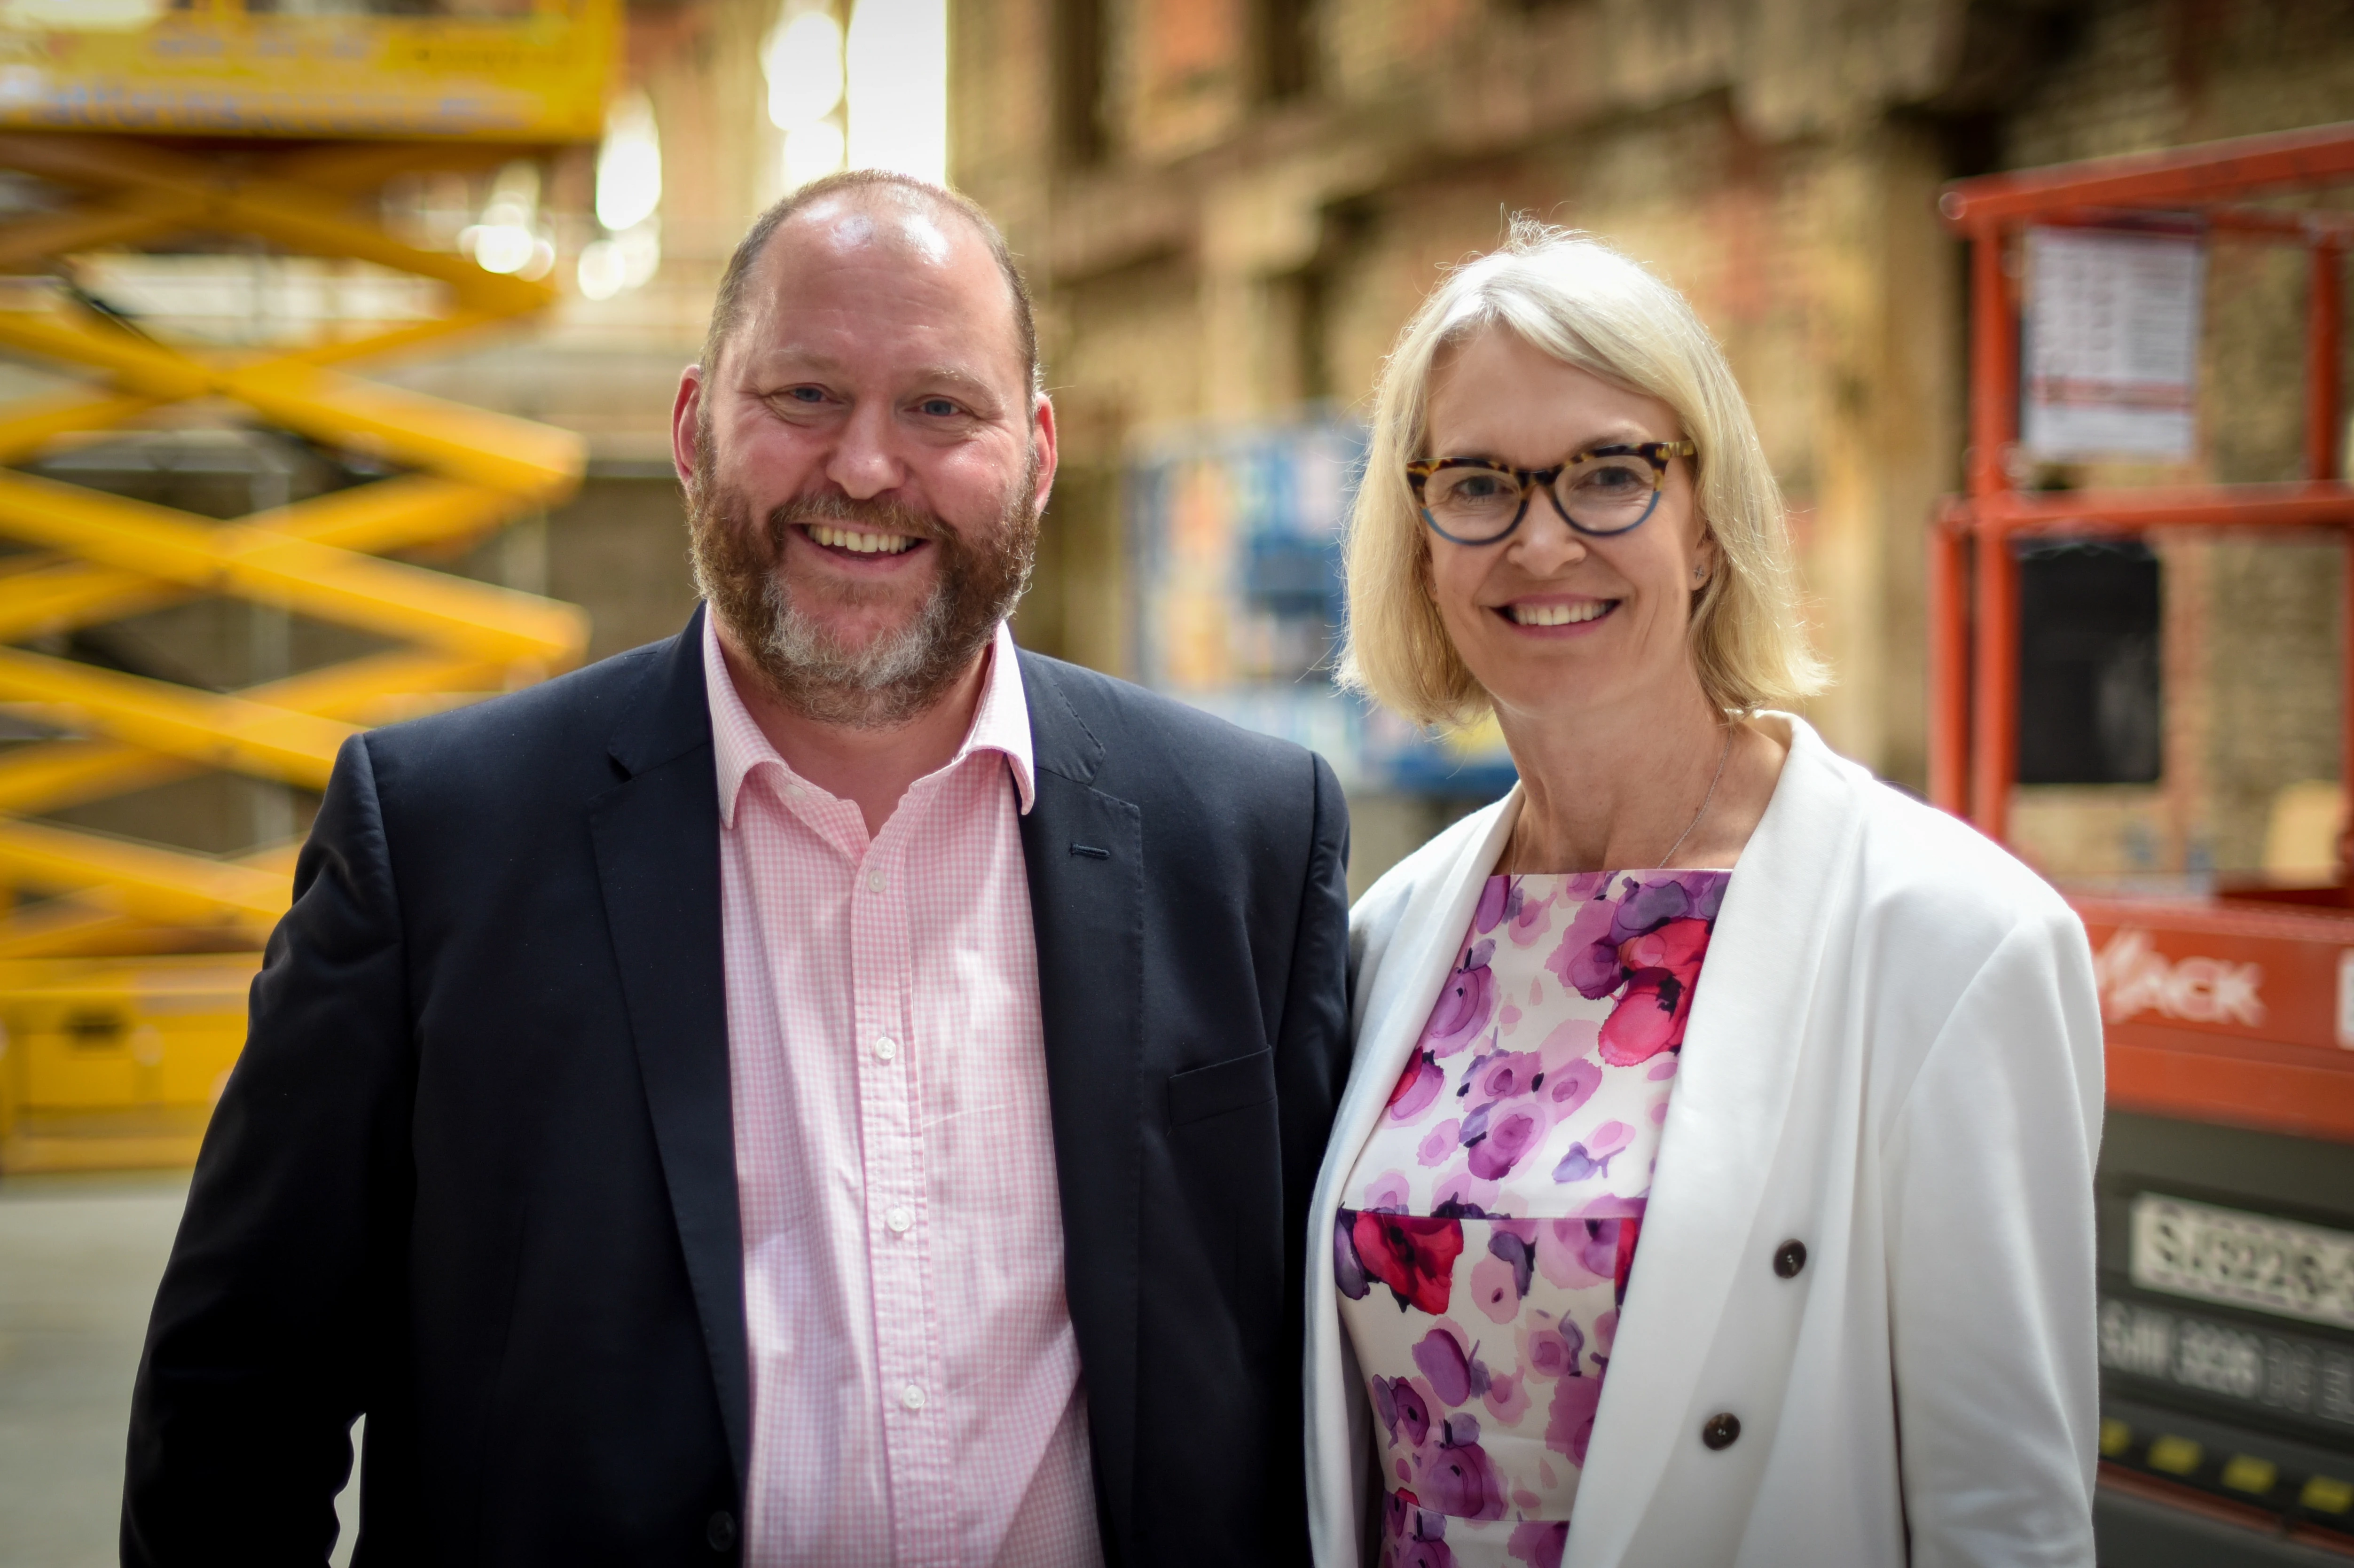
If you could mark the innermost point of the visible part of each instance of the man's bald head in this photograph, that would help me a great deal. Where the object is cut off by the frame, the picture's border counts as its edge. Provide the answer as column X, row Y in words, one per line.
column 882, row 188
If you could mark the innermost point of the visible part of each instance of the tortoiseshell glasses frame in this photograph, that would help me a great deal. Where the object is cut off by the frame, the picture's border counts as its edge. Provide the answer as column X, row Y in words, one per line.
column 1600, row 492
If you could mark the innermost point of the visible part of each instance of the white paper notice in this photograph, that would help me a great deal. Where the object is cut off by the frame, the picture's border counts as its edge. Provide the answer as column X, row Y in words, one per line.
column 2111, row 344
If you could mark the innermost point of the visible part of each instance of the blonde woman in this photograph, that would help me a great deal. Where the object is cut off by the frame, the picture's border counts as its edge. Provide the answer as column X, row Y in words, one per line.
column 1714, row 1180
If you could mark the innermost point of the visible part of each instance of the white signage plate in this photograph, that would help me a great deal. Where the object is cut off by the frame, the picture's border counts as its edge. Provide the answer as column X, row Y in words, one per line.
column 2256, row 1261
column 2112, row 343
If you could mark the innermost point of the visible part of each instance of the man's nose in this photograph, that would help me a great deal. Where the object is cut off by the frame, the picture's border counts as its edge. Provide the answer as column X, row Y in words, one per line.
column 863, row 463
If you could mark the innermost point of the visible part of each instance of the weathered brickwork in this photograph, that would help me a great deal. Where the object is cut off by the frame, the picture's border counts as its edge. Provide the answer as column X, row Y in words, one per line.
column 1247, row 251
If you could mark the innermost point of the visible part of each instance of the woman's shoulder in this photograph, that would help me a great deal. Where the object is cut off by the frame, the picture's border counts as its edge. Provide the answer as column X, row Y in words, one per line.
column 1934, row 875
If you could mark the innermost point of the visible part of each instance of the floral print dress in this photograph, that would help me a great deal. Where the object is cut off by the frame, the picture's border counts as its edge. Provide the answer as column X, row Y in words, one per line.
column 1490, row 1224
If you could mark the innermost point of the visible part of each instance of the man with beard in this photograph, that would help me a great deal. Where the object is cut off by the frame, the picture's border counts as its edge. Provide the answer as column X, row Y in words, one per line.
column 828, row 1088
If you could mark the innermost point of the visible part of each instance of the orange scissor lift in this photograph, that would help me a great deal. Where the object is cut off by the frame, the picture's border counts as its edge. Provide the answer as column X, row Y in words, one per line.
column 123, row 965
column 2228, row 1374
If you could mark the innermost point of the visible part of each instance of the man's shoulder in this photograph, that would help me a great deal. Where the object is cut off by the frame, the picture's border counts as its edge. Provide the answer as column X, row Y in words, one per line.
column 557, row 727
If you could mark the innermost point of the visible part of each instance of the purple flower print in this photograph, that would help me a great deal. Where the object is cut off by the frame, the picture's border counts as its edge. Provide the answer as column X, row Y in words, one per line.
column 1465, row 1005
column 1460, row 1478
column 1588, row 959
column 1662, row 965
column 1497, row 904
column 1386, row 1404
column 1418, row 1087
column 1425, row 1551
column 1539, row 1544
column 1509, row 1137
column 1441, row 1360
column 1348, row 1269
column 1591, row 1159
column 1414, row 1258
column 1569, row 1421
column 1413, row 1412
column 1506, row 1074
column 1508, row 1243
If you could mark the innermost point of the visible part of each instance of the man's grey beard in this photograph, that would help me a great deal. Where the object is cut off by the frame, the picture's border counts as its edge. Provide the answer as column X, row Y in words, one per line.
column 898, row 675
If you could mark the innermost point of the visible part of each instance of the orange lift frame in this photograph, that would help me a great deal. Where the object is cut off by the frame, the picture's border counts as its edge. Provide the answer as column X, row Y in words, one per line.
column 2241, row 1009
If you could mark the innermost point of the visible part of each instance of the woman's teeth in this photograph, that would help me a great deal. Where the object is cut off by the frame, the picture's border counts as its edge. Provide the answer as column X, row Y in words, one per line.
column 862, row 544
column 1558, row 614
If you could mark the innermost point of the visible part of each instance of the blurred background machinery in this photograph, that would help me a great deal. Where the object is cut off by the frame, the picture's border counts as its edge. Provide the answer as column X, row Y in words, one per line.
column 224, row 541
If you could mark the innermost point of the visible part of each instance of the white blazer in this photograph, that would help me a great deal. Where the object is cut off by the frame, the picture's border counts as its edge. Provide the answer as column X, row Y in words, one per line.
column 1894, row 1055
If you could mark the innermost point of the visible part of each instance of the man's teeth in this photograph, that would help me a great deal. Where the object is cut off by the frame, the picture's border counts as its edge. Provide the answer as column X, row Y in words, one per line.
column 864, row 544
column 1559, row 614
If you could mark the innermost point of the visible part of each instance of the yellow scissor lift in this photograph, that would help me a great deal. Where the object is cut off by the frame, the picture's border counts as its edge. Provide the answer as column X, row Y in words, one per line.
column 124, row 965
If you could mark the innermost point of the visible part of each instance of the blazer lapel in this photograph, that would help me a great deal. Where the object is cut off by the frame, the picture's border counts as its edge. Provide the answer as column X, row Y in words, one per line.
column 1084, row 851
column 657, row 843
column 1740, row 1057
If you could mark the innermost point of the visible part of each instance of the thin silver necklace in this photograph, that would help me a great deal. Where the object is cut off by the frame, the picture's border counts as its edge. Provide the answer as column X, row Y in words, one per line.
column 1722, row 752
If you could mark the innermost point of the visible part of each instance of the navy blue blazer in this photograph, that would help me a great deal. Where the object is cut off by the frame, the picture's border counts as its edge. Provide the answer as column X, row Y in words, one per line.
column 474, row 1174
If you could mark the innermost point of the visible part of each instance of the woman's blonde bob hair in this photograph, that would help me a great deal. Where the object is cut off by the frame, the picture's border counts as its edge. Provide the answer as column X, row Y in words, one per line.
column 1588, row 306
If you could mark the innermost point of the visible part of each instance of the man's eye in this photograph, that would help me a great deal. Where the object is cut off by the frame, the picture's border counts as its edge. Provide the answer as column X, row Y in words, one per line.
column 938, row 408
column 806, row 394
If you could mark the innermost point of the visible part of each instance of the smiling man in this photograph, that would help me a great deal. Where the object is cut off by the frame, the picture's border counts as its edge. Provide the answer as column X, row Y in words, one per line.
column 828, row 1088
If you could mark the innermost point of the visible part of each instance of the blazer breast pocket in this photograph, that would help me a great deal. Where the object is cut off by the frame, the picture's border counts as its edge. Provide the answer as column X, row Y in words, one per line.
column 1200, row 1093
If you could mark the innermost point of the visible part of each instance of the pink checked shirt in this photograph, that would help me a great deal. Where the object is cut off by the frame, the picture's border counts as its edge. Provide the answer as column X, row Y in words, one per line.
column 915, row 1394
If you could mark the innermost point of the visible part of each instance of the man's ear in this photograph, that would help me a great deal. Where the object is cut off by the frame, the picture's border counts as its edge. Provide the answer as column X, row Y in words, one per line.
column 684, row 411
column 1044, row 444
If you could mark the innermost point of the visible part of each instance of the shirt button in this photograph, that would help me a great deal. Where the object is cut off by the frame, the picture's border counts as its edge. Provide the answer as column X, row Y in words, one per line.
column 1721, row 1430
column 885, row 1049
column 898, row 1220
column 912, row 1396
column 873, row 882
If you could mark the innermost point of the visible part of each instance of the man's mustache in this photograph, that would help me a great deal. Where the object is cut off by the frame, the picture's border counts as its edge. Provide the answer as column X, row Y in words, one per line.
column 883, row 516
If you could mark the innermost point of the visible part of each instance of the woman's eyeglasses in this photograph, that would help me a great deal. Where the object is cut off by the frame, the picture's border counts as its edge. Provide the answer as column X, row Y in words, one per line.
column 1600, row 491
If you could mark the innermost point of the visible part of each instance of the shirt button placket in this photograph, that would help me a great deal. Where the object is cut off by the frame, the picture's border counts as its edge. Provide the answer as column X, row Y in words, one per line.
column 893, row 1186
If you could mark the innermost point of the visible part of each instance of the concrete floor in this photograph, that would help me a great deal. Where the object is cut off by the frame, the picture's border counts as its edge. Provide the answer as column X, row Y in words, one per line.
column 79, row 1256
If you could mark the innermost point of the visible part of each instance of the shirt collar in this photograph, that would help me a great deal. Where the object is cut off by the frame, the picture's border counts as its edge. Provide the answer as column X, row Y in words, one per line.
column 1001, row 723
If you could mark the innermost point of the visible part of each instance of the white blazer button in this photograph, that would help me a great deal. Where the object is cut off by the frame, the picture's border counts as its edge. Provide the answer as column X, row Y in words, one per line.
column 1790, row 1257
column 1720, row 1430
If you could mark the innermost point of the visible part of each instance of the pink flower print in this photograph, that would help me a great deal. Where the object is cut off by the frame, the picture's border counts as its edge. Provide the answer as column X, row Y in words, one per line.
column 1569, row 1421
column 1553, row 1350
column 1539, row 1543
column 1418, row 1087
column 1649, row 1018
column 1622, row 1263
column 1507, row 1398
column 1532, row 919
column 1414, row 1258
column 1507, row 1137
column 1461, row 1479
column 1390, row 1191
column 1384, row 1404
column 1464, row 1005
column 1500, row 1281
column 1440, row 1357
column 1439, row 1142
column 1569, row 1256
column 1495, row 1289
column 1412, row 1535
column 1573, row 1084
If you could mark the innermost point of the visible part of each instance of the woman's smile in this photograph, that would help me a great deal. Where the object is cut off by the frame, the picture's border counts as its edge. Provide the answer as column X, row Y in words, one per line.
column 1556, row 615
